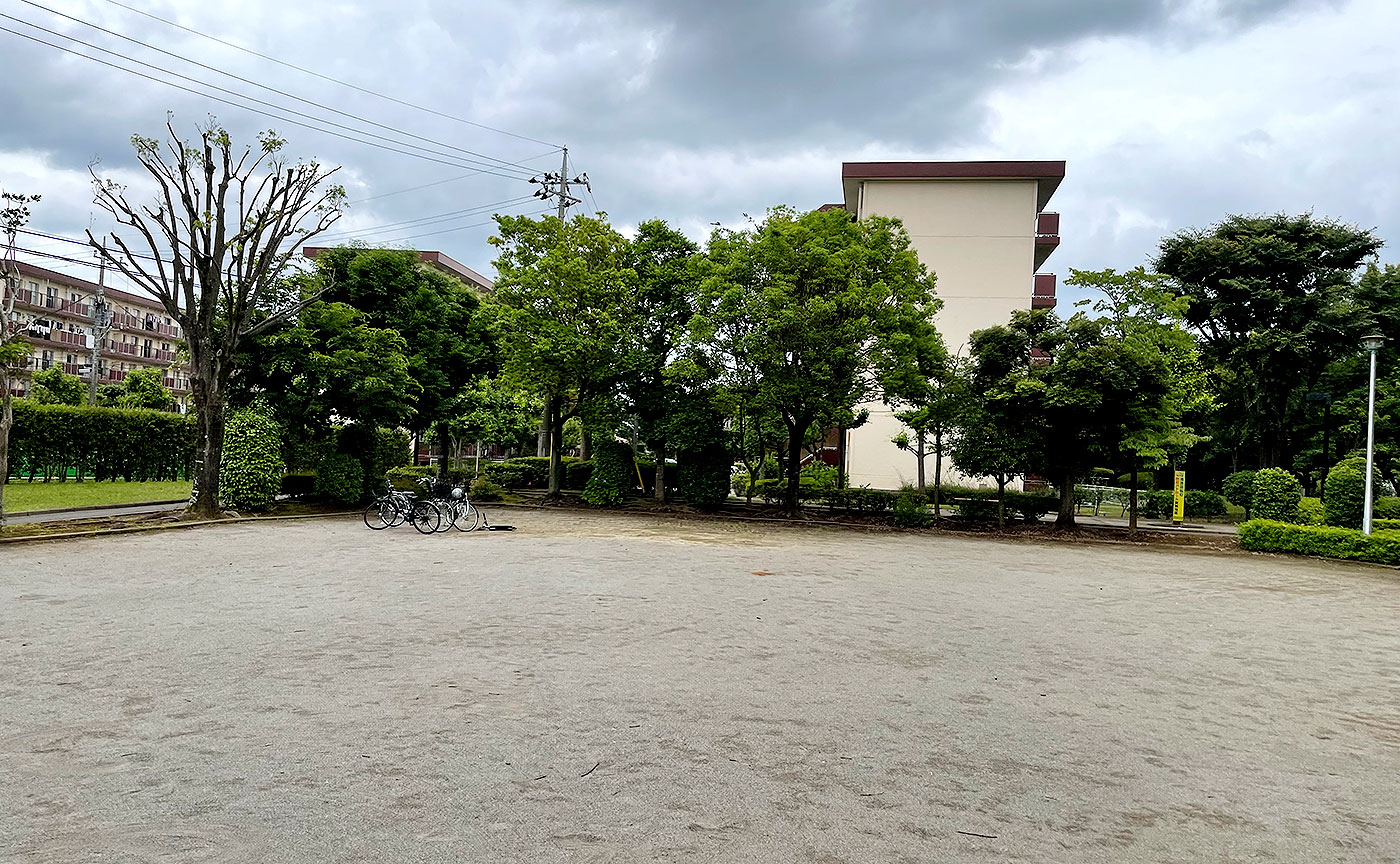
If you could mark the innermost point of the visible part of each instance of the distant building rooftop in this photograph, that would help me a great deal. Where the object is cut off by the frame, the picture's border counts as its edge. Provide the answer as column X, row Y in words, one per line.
column 1047, row 174
column 439, row 261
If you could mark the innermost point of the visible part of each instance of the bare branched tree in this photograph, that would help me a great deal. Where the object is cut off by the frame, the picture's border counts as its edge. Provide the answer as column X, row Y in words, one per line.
column 224, row 227
column 14, row 347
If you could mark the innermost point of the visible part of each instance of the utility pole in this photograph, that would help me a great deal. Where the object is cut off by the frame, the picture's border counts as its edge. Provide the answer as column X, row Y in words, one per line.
column 556, row 187
column 101, row 323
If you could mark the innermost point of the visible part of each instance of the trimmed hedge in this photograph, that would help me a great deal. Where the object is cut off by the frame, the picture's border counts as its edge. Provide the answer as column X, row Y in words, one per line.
column 1204, row 504
column 1384, row 524
column 340, row 479
column 483, row 489
column 1346, row 495
column 1276, row 495
column 614, row 474
column 1268, row 535
column 577, row 472
column 1385, row 508
column 529, row 472
column 703, row 477
column 1311, row 512
column 250, row 472
column 104, row 443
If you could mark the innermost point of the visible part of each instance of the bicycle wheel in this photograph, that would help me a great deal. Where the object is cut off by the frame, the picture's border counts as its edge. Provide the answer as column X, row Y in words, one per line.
column 375, row 515
column 449, row 513
column 467, row 517
column 426, row 517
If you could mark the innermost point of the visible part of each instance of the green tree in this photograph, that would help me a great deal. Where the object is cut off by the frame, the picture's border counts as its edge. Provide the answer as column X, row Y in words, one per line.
column 326, row 367
column 565, row 314
column 1075, row 383
column 14, row 347
column 445, row 329
column 53, row 386
column 932, row 411
column 816, row 314
column 992, row 440
column 492, row 412
column 222, row 231
column 143, row 388
column 667, row 267
column 1273, row 300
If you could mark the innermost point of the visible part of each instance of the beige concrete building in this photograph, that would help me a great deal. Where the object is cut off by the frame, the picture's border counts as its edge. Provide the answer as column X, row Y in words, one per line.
column 981, row 227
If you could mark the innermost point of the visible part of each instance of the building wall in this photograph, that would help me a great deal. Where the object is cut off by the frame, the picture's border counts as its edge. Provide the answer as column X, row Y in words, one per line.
column 978, row 237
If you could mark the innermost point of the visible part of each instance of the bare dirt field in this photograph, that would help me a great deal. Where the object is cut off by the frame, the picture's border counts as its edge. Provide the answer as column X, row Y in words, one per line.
column 612, row 688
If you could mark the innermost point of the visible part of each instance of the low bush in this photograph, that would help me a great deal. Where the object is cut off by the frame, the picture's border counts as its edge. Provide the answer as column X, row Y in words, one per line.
column 1031, row 506
column 911, row 508
column 482, row 489
column 1269, row 535
column 250, row 473
column 823, row 476
column 407, row 477
column 1239, row 490
column 614, row 474
column 1385, row 508
column 1156, row 504
column 703, row 477
column 1385, row 524
column 861, row 499
column 533, row 471
column 1276, row 495
column 340, row 479
column 1204, row 504
column 1311, row 512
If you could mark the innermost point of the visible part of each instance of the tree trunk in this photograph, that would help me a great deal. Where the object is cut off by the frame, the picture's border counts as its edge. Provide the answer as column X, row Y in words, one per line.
column 585, row 443
column 1001, row 501
column 794, row 466
column 937, row 472
column 543, row 446
column 204, row 498
column 841, row 457
column 1133, row 499
column 920, row 454
column 442, row 439
column 659, row 449
column 556, row 437
column 1066, row 517
column 7, row 419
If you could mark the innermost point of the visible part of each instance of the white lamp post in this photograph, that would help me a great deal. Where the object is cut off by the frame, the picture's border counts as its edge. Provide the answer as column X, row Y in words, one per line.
column 1372, row 344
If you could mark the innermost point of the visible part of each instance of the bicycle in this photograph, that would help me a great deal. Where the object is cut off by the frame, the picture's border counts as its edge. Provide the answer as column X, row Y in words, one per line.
column 395, row 508
column 458, row 510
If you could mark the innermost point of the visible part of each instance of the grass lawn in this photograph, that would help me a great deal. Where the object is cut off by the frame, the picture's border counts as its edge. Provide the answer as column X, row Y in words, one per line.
column 21, row 496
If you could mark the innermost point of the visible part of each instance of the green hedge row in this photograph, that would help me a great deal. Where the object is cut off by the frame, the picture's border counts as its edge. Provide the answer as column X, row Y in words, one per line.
column 1268, row 535
column 104, row 443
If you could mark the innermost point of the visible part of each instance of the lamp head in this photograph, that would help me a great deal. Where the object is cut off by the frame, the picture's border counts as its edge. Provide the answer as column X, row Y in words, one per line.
column 1372, row 343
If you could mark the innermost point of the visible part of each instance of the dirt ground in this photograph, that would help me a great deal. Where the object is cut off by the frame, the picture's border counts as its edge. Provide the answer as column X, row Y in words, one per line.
column 612, row 688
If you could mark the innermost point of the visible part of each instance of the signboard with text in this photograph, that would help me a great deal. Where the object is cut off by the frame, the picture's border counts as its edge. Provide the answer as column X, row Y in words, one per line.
column 1179, row 497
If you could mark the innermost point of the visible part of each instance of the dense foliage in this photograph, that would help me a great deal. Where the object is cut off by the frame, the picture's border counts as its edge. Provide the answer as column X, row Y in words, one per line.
column 1266, row 535
column 614, row 474
column 250, row 475
column 1276, row 495
column 49, row 441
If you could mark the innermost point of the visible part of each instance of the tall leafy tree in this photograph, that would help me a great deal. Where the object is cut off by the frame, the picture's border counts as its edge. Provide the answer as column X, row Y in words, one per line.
column 816, row 313
column 224, row 227
column 668, row 272
column 1272, row 298
column 445, row 330
column 932, row 409
column 53, row 386
column 565, row 308
column 14, row 347
column 144, row 388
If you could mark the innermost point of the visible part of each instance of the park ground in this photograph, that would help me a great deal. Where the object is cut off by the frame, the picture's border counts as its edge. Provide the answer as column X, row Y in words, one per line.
column 595, row 687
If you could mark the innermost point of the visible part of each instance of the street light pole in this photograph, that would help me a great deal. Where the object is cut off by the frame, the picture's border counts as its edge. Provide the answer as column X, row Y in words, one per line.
column 1372, row 344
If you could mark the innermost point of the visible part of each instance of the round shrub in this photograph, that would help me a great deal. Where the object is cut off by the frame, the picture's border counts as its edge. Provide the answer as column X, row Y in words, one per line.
column 911, row 509
column 576, row 474
column 703, row 477
column 340, row 479
column 1345, row 495
column 1276, row 495
column 1311, row 512
column 251, row 470
column 482, row 489
column 1156, row 504
column 614, row 474
column 1239, row 490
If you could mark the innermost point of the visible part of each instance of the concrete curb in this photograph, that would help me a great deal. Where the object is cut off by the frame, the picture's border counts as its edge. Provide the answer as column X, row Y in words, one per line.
column 167, row 526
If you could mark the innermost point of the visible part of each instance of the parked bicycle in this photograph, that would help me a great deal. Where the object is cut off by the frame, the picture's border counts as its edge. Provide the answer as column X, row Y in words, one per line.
column 457, row 509
column 396, row 507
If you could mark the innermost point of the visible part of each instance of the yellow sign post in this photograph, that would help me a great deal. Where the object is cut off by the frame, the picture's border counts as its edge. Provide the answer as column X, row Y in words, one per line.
column 1179, row 498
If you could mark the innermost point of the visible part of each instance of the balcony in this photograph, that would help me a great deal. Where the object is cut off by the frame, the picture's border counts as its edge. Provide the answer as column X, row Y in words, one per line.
column 1043, row 291
column 78, row 340
column 1047, row 236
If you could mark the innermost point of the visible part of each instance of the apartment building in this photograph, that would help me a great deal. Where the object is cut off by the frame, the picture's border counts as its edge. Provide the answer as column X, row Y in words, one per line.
column 142, row 334
column 982, row 228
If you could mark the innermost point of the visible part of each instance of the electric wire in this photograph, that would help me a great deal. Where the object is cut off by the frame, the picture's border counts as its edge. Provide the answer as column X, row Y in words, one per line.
column 502, row 163
column 441, row 182
column 456, row 162
column 302, row 69
column 428, row 220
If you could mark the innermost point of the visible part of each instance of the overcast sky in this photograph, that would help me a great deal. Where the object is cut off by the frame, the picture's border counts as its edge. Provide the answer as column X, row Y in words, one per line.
column 1170, row 113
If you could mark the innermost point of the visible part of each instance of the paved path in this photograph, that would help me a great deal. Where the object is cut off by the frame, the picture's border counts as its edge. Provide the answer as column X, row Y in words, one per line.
column 128, row 510
column 608, row 688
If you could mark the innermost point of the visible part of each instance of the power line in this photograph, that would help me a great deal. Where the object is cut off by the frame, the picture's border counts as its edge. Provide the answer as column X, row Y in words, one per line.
column 450, row 230
column 502, row 162
column 75, row 242
column 460, row 163
column 440, row 182
column 330, row 79
column 430, row 220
